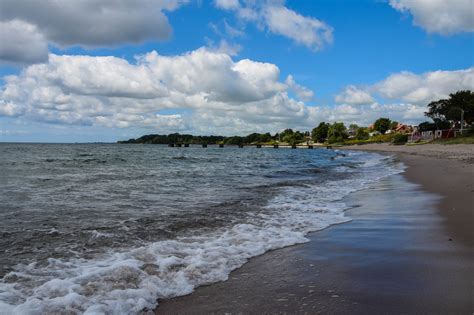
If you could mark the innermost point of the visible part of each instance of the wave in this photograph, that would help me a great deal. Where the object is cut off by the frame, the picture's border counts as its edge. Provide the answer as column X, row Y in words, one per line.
column 130, row 281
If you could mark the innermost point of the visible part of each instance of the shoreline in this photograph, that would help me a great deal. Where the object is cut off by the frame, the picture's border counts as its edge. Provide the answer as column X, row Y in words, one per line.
column 420, row 262
column 446, row 170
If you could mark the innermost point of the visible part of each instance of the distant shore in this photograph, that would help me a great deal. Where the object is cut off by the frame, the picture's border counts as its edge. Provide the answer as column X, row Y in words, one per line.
column 408, row 250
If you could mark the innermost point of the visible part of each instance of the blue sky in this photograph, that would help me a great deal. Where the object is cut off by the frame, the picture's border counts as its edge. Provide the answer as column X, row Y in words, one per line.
column 349, row 61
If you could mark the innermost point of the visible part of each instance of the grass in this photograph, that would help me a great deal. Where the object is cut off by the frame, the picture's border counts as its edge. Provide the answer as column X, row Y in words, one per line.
column 375, row 139
column 467, row 139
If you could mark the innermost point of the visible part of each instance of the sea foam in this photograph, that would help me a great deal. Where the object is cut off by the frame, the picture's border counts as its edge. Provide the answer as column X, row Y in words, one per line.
column 131, row 281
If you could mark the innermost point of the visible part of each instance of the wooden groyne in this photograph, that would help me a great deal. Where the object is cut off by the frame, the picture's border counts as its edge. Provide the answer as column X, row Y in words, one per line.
column 258, row 146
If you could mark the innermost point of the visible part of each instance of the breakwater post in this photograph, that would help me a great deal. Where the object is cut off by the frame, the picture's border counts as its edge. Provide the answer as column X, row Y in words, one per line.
column 204, row 145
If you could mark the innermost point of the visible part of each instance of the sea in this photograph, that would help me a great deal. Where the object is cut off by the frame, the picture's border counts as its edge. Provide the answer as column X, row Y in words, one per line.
column 113, row 228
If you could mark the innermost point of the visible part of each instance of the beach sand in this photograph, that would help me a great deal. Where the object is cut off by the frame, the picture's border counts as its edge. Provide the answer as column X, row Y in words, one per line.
column 408, row 249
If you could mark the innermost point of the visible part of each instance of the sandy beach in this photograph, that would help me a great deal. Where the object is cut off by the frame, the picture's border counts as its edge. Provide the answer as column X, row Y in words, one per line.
column 408, row 249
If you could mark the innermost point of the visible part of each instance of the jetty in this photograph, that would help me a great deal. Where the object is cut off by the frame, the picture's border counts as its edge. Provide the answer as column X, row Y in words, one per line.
column 257, row 146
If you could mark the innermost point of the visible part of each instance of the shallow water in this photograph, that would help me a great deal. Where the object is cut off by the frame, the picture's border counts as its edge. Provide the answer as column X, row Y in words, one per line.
column 111, row 228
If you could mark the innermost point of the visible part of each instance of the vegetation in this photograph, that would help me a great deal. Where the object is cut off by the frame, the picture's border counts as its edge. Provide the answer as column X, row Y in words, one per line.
column 254, row 138
column 450, row 110
column 176, row 138
column 465, row 139
column 445, row 114
column 382, row 125
column 362, row 134
column 292, row 137
column 400, row 138
column 337, row 133
column 320, row 133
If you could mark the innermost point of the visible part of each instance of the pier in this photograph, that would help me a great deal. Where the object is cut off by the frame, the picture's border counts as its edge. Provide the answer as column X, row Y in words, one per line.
column 257, row 146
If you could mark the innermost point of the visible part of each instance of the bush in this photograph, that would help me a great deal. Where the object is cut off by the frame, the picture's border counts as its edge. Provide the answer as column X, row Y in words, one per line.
column 400, row 139
column 362, row 134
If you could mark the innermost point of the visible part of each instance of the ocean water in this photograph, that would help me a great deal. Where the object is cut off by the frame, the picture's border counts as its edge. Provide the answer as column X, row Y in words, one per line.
column 108, row 228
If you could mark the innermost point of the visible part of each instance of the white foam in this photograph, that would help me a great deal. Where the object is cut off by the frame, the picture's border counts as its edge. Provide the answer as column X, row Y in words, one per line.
column 96, row 234
column 128, row 282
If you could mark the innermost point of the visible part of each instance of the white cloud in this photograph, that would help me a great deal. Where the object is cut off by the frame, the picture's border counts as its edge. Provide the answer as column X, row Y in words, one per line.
column 278, row 19
column 302, row 92
column 307, row 31
column 354, row 96
column 411, row 88
column 227, row 4
column 225, row 47
column 233, row 97
column 109, row 91
column 31, row 25
column 232, row 31
column 404, row 96
column 439, row 16
column 424, row 88
column 22, row 43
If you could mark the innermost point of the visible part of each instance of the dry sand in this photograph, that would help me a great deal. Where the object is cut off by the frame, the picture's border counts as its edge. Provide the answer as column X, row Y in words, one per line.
column 461, row 152
column 409, row 249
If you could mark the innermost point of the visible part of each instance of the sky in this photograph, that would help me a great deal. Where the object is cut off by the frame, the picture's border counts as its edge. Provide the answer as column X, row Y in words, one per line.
column 105, row 70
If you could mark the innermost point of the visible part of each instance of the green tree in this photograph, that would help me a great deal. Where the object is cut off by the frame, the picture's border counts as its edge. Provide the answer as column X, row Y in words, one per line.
column 362, row 134
column 450, row 109
column 426, row 126
column 353, row 128
column 320, row 133
column 382, row 125
column 337, row 132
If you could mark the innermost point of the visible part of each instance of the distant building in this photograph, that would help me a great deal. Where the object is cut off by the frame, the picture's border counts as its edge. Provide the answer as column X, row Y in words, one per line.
column 434, row 134
column 402, row 128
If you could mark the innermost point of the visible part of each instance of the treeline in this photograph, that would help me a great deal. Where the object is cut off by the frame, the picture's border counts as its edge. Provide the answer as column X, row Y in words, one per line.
column 446, row 113
column 288, row 136
column 176, row 138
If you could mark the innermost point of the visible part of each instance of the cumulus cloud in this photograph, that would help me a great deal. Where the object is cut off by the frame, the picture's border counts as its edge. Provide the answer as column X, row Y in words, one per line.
column 278, row 19
column 111, row 92
column 307, row 31
column 227, row 4
column 22, row 43
column 302, row 92
column 91, row 23
column 203, row 91
column 225, row 47
column 439, row 16
column 424, row 88
column 408, row 87
column 354, row 96
column 403, row 96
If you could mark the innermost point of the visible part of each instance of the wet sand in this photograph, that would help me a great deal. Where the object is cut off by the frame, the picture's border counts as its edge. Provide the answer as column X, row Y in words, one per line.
column 408, row 249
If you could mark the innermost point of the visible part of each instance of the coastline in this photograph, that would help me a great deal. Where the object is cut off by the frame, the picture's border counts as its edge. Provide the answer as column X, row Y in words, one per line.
column 407, row 250
column 446, row 170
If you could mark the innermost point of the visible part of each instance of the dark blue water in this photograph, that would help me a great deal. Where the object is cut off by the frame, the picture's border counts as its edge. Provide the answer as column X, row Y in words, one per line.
column 104, row 228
